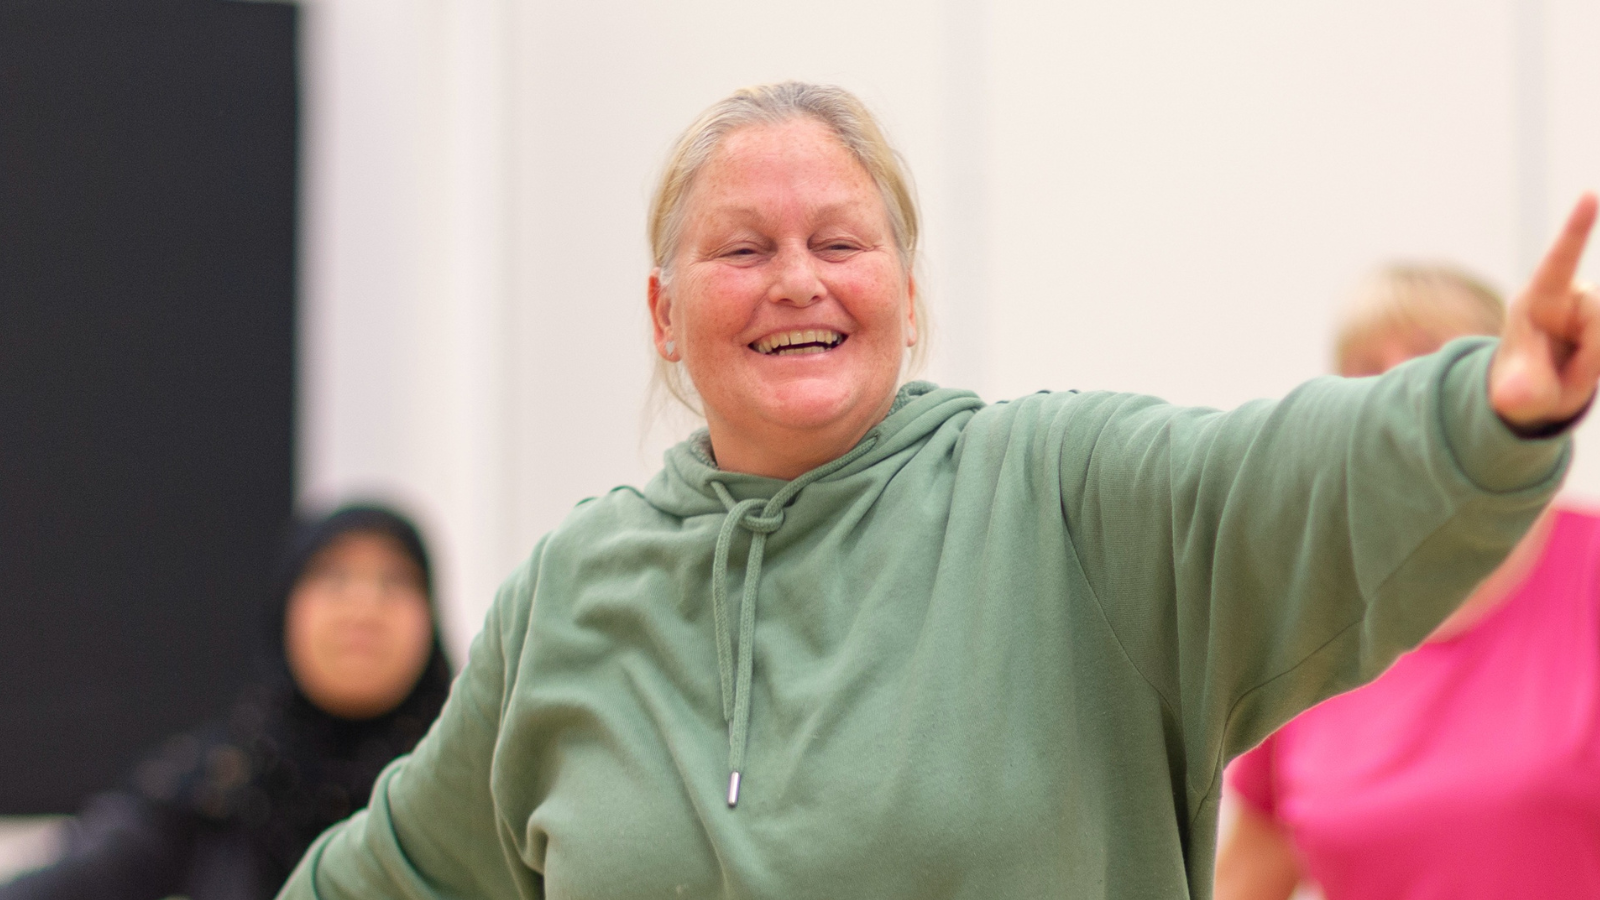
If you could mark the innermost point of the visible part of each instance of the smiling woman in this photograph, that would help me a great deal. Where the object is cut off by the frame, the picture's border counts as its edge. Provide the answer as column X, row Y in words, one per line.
column 785, row 238
column 866, row 638
column 853, row 130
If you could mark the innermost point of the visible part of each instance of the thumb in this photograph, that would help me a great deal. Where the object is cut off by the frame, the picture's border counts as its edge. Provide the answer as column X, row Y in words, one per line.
column 1523, row 384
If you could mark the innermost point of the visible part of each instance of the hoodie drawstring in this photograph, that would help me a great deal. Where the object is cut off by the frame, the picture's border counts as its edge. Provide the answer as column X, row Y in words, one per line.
column 743, row 514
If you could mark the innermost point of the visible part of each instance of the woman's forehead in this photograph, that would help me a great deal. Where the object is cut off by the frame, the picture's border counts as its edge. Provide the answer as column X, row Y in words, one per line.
column 363, row 545
column 766, row 171
column 854, row 210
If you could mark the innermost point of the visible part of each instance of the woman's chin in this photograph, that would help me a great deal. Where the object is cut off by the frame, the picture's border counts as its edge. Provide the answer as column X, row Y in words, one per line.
column 823, row 404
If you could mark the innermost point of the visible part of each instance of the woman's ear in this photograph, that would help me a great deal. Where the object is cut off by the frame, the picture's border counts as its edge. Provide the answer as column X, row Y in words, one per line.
column 912, row 333
column 661, row 317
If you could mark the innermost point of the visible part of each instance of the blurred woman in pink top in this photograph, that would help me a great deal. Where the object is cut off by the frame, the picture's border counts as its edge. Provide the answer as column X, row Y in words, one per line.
column 1471, row 769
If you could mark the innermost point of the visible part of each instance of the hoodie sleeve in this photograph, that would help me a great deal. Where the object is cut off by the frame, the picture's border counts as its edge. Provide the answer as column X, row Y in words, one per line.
column 1257, row 561
column 432, row 829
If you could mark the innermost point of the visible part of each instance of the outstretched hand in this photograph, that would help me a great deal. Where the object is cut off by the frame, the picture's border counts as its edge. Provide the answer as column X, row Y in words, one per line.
column 1548, row 362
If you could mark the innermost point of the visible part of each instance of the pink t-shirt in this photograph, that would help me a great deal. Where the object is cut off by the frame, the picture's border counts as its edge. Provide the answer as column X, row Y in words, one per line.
column 1471, row 769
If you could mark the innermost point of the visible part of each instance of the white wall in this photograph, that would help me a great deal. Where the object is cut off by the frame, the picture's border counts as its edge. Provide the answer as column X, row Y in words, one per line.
column 1142, row 195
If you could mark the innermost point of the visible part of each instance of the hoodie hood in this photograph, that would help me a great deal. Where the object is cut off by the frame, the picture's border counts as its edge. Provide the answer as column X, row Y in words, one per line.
column 683, row 487
column 691, row 485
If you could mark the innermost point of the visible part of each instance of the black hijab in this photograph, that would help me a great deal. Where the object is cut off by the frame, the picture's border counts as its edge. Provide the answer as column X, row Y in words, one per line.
column 278, row 770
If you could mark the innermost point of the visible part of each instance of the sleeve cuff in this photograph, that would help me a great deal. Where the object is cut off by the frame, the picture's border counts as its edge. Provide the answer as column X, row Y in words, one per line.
column 1488, row 451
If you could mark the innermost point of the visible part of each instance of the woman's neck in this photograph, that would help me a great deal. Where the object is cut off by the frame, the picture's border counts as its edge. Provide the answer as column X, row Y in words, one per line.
column 785, row 453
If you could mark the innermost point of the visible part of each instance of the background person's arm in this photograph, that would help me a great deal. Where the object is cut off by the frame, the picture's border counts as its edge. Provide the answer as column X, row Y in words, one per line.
column 1255, row 859
column 120, row 847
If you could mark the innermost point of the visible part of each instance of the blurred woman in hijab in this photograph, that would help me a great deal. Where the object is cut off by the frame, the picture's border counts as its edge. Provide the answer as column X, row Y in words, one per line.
column 351, row 675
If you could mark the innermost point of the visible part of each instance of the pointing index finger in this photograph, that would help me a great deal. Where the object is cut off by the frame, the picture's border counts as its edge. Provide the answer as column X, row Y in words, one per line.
column 1554, row 276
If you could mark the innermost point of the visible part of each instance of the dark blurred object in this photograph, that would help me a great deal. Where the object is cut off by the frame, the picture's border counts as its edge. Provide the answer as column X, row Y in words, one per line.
column 147, row 237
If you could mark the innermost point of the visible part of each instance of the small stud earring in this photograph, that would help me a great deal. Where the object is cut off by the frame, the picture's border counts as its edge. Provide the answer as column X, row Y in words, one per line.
column 671, row 348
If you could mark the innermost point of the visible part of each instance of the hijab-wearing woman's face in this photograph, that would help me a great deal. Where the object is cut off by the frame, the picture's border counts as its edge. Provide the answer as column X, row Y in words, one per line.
column 788, row 302
column 358, row 630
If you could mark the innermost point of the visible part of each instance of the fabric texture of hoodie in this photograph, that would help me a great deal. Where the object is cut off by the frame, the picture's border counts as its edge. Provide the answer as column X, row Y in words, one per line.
column 995, row 651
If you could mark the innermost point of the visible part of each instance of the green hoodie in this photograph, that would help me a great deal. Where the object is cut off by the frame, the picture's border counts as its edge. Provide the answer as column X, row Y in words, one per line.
column 998, row 651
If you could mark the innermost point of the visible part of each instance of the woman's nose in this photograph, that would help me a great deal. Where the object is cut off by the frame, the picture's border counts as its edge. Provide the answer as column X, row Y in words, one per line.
column 797, row 283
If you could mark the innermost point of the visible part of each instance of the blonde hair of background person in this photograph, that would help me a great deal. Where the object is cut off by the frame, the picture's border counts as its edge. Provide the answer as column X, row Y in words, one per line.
column 859, row 638
column 1405, row 310
column 1400, row 312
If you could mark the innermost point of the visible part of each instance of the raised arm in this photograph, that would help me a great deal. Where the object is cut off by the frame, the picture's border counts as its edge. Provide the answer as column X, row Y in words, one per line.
column 1256, row 561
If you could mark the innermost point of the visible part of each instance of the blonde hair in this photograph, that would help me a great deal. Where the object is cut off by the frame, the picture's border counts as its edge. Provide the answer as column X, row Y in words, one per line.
column 1440, row 301
column 850, row 122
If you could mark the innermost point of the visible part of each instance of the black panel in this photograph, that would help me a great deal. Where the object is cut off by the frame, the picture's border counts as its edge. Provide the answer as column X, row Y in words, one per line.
column 147, row 231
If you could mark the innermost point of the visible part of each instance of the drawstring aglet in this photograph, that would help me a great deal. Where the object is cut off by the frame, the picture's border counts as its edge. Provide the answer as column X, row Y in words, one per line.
column 733, row 790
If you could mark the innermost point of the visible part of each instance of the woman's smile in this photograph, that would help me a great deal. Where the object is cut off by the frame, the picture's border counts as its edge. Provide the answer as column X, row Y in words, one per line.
column 797, row 342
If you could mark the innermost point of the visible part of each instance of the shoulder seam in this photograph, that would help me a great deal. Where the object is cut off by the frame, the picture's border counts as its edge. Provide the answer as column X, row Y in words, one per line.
column 1121, row 647
column 1234, row 707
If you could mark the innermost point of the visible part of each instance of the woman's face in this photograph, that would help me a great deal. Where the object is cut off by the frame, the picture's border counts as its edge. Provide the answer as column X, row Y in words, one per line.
column 1381, row 352
column 358, row 629
column 787, row 302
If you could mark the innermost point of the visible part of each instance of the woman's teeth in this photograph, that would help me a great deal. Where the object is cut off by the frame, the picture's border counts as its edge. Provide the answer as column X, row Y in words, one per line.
column 792, row 343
